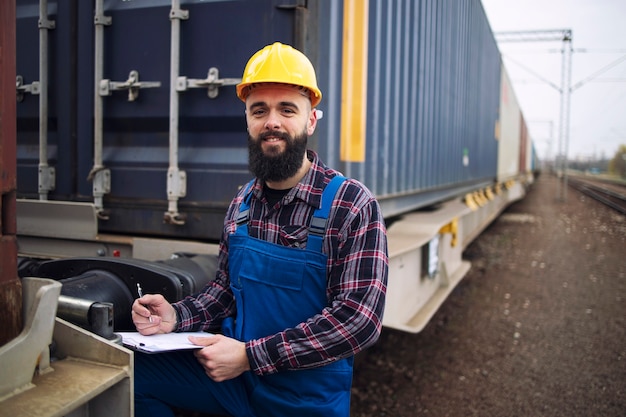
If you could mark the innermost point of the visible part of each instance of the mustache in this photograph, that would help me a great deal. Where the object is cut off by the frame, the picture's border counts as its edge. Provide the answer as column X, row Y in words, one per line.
column 282, row 135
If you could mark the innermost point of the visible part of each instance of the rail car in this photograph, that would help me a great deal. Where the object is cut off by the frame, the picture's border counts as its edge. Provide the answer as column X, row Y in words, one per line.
column 131, row 143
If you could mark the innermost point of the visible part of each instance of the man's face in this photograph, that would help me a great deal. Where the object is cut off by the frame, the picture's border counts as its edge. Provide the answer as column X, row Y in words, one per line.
column 280, row 119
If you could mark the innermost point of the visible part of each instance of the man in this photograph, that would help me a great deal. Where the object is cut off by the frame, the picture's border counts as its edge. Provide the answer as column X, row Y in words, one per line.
column 301, row 277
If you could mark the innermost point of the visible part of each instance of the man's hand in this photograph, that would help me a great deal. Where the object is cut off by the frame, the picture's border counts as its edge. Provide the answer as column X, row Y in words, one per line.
column 222, row 357
column 152, row 314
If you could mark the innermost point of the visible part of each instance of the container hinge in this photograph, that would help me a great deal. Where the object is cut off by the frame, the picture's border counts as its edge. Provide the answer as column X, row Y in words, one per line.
column 178, row 13
column 132, row 84
column 47, row 176
column 176, row 188
column 175, row 218
column 176, row 183
column 101, row 19
column 101, row 178
column 212, row 82
column 102, row 182
column 32, row 88
column 44, row 23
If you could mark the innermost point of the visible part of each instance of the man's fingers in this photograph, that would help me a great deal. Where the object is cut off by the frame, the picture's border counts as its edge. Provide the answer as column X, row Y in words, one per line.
column 202, row 341
column 140, row 309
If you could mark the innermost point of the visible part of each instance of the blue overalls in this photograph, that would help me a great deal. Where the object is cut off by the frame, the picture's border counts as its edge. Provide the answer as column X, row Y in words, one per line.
column 277, row 287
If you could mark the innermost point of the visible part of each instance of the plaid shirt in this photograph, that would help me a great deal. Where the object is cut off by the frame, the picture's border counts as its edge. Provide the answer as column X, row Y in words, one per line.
column 356, row 245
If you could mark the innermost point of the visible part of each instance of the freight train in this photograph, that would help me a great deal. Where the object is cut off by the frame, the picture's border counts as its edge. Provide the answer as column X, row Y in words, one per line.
column 131, row 143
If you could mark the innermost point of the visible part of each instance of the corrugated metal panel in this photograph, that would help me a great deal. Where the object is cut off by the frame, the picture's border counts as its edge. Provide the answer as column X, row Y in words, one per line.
column 433, row 96
column 510, row 131
column 524, row 147
column 510, row 123
column 433, row 93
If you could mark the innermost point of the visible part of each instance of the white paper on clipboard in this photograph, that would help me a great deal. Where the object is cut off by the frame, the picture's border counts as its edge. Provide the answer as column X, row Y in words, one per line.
column 160, row 342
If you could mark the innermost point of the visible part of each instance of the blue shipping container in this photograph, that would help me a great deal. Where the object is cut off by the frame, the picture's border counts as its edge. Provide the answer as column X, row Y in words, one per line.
column 411, row 96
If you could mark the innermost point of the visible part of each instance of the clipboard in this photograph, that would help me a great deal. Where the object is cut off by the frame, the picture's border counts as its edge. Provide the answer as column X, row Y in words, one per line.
column 157, row 343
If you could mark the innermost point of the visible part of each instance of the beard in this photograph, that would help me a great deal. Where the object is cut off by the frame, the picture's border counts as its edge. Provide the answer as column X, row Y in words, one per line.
column 275, row 166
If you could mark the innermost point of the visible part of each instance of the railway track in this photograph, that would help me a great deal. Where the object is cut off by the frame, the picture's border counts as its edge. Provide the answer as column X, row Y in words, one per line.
column 611, row 194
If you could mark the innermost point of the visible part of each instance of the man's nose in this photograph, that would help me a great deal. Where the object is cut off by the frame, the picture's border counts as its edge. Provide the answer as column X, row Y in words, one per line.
column 273, row 121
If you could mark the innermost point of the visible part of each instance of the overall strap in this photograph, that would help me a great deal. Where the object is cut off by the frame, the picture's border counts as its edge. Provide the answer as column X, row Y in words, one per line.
column 244, row 210
column 317, row 230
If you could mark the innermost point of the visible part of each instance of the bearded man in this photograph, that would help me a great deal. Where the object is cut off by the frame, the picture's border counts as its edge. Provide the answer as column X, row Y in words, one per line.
column 301, row 278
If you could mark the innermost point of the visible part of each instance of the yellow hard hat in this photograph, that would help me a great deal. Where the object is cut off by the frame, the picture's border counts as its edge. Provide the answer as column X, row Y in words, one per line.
column 279, row 63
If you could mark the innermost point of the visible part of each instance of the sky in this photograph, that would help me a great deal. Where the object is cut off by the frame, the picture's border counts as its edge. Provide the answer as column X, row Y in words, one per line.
column 598, row 72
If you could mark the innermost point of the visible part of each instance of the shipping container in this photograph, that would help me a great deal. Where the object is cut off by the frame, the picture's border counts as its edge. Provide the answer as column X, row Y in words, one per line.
column 128, row 130
column 510, row 129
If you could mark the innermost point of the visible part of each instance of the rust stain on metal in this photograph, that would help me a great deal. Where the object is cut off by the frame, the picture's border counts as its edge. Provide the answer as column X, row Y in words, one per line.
column 10, row 310
column 10, row 285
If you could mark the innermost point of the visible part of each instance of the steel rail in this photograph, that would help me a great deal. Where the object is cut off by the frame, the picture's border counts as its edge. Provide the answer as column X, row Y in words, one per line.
column 604, row 195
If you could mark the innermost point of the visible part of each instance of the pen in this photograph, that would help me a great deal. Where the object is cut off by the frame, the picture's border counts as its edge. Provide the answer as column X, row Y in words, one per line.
column 140, row 292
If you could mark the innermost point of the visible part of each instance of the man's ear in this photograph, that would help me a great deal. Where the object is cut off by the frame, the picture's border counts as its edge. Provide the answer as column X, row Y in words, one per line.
column 312, row 122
